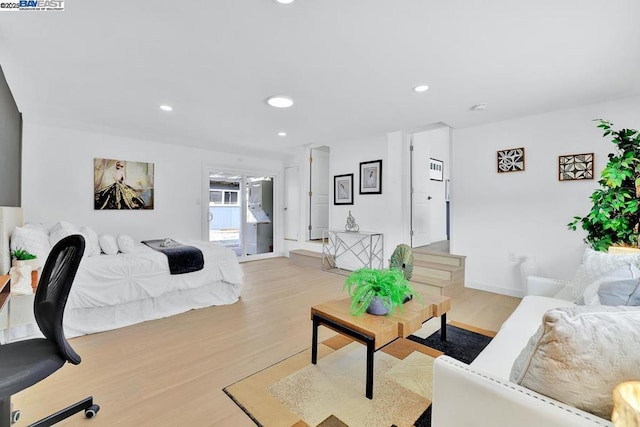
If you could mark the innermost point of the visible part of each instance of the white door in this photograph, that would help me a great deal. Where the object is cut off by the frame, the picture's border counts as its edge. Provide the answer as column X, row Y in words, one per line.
column 291, row 203
column 421, row 196
column 428, row 203
column 319, row 193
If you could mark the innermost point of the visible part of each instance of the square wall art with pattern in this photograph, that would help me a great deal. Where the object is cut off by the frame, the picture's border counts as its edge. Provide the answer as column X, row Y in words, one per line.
column 122, row 185
column 511, row 160
column 573, row 167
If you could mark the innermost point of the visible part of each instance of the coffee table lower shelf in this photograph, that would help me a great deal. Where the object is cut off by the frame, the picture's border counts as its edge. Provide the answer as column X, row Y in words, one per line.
column 362, row 337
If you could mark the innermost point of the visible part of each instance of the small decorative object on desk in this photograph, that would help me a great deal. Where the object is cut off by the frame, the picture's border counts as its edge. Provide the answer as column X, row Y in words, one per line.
column 351, row 224
column 23, row 264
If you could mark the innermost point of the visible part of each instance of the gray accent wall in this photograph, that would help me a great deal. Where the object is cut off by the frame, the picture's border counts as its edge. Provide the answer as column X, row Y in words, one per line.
column 10, row 146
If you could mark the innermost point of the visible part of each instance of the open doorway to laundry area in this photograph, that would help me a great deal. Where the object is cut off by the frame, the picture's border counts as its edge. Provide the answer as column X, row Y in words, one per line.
column 240, row 212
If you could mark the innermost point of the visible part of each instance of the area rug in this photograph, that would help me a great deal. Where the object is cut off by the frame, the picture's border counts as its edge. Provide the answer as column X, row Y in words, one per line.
column 463, row 343
column 294, row 392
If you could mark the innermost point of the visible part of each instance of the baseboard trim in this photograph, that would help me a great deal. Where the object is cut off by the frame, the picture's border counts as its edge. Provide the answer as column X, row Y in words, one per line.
column 518, row 293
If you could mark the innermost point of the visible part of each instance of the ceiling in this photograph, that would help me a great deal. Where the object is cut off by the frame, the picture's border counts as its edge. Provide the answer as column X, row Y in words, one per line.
column 350, row 66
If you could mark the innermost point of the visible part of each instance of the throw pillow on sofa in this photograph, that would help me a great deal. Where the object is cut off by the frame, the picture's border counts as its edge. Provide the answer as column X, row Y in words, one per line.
column 596, row 264
column 579, row 354
column 618, row 287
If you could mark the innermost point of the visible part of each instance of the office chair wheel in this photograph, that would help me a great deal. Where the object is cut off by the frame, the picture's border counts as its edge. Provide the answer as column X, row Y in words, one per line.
column 15, row 416
column 91, row 411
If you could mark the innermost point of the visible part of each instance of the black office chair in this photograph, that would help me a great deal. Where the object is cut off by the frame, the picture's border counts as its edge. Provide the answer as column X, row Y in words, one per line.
column 25, row 363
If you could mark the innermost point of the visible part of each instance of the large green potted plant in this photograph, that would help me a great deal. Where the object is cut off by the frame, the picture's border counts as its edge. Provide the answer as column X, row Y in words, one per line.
column 386, row 289
column 615, row 214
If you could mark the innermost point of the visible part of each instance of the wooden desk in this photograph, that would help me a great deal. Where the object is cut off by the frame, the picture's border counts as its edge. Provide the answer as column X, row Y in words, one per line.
column 377, row 331
column 5, row 290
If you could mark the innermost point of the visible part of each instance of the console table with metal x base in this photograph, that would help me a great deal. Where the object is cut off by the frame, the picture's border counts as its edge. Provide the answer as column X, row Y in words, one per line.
column 366, row 248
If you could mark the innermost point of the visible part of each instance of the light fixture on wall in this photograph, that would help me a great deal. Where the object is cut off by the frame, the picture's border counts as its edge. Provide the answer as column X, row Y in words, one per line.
column 280, row 101
column 166, row 107
column 283, row 1
column 421, row 88
column 282, row 134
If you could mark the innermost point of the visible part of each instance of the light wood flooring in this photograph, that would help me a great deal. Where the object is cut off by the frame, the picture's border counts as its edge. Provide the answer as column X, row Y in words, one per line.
column 170, row 372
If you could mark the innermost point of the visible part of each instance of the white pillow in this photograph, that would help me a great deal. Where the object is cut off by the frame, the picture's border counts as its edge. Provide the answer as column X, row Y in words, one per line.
column 92, row 247
column 32, row 239
column 125, row 243
column 579, row 354
column 594, row 265
column 37, row 225
column 60, row 230
column 108, row 244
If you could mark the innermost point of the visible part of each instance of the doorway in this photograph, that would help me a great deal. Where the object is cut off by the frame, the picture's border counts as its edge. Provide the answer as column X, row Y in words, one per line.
column 240, row 212
column 430, row 171
column 318, row 192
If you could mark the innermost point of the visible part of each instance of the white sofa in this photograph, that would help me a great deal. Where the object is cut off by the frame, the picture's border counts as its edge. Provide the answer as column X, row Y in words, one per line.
column 480, row 394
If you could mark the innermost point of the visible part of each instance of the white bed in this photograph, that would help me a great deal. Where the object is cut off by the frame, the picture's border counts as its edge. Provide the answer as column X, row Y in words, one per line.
column 113, row 291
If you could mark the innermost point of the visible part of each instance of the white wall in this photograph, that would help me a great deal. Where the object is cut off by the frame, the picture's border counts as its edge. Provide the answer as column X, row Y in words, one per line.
column 58, row 181
column 373, row 212
column 526, row 213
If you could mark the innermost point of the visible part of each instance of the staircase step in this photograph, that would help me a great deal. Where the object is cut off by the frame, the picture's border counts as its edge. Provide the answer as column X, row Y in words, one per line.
column 436, row 286
column 305, row 258
column 438, row 258
column 437, row 271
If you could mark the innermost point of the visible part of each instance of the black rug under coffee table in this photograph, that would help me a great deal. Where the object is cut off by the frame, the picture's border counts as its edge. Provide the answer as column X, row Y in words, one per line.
column 461, row 344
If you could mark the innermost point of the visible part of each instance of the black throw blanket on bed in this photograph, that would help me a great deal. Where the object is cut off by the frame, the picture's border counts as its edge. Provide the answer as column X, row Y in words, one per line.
column 182, row 258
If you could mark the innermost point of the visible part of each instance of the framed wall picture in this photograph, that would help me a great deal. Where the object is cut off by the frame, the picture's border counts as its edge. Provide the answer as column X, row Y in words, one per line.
column 511, row 160
column 122, row 185
column 371, row 177
column 573, row 167
column 343, row 189
column 436, row 169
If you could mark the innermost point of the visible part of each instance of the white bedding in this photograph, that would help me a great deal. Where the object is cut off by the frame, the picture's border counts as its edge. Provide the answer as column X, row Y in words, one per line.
column 112, row 291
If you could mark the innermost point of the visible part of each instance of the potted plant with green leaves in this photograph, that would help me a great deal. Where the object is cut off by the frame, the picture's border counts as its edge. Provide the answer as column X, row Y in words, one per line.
column 615, row 214
column 21, row 256
column 377, row 291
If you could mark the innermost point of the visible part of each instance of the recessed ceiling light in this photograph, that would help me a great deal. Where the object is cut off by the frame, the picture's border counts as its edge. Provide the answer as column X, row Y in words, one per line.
column 166, row 108
column 280, row 101
column 282, row 134
column 421, row 88
column 479, row 107
column 284, row 1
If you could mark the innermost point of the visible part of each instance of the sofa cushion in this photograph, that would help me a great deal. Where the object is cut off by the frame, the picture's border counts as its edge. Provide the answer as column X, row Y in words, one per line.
column 579, row 354
column 497, row 358
column 596, row 264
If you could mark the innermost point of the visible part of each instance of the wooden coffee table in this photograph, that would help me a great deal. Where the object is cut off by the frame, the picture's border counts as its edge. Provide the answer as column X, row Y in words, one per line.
column 377, row 331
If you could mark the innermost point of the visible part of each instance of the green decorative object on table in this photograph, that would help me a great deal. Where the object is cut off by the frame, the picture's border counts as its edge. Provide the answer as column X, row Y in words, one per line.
column 388, row 286
column 615, row 214
column 402, row 259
